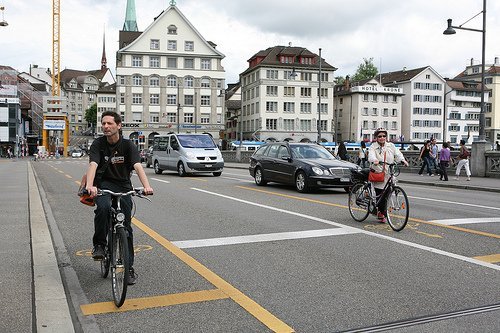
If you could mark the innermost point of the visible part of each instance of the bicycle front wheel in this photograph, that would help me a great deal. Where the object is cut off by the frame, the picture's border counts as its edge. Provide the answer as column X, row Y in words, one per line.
column 120, row 266
column 398, row 209
column 359, row 201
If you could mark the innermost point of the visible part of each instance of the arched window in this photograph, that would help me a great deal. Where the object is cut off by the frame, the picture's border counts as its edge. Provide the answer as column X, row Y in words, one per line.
column 205, row 82
column 171, row 81
column 188, row 81
column 154, row 81
column 172, row 30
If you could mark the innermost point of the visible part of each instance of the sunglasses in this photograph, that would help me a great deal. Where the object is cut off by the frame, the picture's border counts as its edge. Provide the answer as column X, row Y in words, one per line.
column 381, row 136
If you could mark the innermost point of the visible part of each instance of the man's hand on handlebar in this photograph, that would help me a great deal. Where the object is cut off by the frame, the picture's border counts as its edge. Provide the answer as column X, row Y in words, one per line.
column 147, row 191
column 92, row 190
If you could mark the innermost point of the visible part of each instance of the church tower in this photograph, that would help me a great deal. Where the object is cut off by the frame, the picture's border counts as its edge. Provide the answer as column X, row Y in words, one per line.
column 104, row 62
column 130, row 20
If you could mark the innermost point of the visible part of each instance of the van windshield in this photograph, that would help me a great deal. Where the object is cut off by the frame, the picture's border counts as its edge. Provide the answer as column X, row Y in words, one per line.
column 196, row 141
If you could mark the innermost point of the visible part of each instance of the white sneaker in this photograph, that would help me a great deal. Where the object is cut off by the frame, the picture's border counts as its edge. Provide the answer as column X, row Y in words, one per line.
column 468, row 178
column 456, row 178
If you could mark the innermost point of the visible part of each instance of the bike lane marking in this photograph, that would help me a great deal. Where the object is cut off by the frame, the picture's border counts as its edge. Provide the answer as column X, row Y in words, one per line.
column 470, row 231
column 241, row 299
column 369, row 233
column 492, row 258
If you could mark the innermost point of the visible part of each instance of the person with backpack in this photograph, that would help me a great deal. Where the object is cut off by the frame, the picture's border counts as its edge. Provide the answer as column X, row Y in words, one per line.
column 463, row 161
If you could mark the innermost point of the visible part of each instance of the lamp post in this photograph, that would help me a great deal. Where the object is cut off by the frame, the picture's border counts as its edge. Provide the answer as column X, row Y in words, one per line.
column 450, row 30
column 319, row 98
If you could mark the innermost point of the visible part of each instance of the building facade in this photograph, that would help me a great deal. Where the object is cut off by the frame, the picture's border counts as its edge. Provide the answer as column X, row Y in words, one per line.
column 422, row 102
column 169, row 79
column 362, row 107
column 492, row 103
column 462, row 108
column 281, row 96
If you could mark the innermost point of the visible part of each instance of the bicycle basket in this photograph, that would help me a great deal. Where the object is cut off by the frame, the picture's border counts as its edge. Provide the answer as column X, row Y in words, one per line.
column 360, row 175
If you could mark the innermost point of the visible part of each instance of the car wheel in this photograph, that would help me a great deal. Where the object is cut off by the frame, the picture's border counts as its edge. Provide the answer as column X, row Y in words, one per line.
column 217, row 174
column 158, row 171
column 301, row 182
column 259, row 177
column 181, row 170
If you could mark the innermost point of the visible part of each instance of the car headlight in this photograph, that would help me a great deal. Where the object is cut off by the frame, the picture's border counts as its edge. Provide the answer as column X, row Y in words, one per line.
column 319, row 171
column 190, row 155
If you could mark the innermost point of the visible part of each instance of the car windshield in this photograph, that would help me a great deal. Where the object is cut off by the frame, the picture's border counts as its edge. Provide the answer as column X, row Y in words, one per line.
column 196, row 141
column 311, row 152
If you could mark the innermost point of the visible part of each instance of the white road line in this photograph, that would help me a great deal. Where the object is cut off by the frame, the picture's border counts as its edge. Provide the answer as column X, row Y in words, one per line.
column 454, row 203
column 161, row 180
column 263, row 238
column 239, row 179
column 369, row 233
column 468, row 221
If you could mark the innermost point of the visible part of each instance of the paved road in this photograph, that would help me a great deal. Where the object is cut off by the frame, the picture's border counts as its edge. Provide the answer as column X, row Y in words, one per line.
column 25, row 304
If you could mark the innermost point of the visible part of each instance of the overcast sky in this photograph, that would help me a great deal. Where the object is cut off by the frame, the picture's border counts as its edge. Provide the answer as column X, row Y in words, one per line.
column 395, row 33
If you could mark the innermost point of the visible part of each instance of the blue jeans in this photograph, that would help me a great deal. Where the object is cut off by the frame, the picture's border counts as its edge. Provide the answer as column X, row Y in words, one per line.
column 426, row 162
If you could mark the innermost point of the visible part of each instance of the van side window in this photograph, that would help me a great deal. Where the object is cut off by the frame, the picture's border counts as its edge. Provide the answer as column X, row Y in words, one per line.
column 174, row 144
column 162, row 143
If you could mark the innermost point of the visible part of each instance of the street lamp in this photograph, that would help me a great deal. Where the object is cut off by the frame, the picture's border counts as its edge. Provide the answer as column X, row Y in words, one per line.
column 319, row 98
column 450, row 30
column 3, row 23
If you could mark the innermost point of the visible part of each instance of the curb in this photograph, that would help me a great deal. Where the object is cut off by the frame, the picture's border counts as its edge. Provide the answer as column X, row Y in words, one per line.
column 51, row 306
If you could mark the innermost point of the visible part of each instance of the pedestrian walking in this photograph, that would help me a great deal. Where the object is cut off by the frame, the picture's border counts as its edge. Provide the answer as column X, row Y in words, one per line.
column 434, row 155
column 463, row 161
column 342, row 151
column 444, row 161
column 425, row 157
column 362, row 155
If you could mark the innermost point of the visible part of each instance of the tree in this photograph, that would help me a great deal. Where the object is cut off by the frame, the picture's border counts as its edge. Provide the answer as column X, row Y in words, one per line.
column 91, row 116
column 366, row 70
column 339, row 80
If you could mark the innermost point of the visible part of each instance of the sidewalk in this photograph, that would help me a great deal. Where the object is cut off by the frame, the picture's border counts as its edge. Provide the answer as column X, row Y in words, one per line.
column 476, row 183
column 33, row 296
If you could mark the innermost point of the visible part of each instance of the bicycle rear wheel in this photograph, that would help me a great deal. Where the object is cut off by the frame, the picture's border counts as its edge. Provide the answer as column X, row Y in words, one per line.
column 359, row 201
column 398, row 209
column 120, row 266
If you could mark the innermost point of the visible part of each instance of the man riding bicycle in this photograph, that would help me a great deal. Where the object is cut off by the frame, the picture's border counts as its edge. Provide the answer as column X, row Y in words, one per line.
column 382, row 151
column 111, row 161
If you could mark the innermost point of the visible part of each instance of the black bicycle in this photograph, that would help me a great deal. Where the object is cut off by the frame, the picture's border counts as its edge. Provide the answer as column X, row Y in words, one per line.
column 116, row 252
column 363, row 200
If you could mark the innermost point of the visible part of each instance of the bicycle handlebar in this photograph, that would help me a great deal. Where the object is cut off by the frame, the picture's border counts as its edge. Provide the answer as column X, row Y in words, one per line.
column 137, row 191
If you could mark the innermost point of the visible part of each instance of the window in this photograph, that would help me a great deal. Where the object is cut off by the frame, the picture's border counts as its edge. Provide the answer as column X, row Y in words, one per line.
column 305, row 125
column 188, row 118
column 323, row 108
column 324, row 77
column 272, row 90
column 154, row 62
column 305, row 107
column 136, row 117
column 205, row 119
column 374, row 125
column 365, row 112
column 288, row 91
column 171, row 117
column 136, row 61
column 385, row 112
column 306, row 60
column 271, row 106
column 271, row 74
column 305, row 92
column 171, row 81
column 122, row 98
column 289, row 107
column 306, row 76
column 188, row 100
column 205, row 82
column 136, row 98
column 137, row 80
column 154, row 81
column 286, row 59
column 385, row 98
column 188, row 46
column 189, row 63
column 288, row 124
column 172, row 30
column 172, row 45
column 154, row 118
column 122, row 80
column 206, row 64
column 289, row 75
column 374, row 111
column 188, row 81
column 171, row 99
column 324, row 92
column 394, row 112
column 172, row 62
column 205, row 100
column 271, row 124
column 154, row 99
column 154, row 44
column 323, row 124
column 375, row 98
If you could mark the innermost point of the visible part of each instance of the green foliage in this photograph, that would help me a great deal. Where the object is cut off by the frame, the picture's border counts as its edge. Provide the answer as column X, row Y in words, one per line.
column 366, row 70
column 91, row 115
column 339, row 80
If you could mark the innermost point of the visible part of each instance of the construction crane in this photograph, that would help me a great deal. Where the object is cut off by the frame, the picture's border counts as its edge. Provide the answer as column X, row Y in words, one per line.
column 55, row 117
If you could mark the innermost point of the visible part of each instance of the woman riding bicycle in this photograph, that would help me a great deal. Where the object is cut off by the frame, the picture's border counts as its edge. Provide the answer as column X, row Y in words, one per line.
column 381, row 152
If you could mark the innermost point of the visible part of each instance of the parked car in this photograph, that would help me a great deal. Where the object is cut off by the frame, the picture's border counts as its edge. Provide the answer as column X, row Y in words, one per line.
column 308, row 166
column 149, row 157
column 77, row 153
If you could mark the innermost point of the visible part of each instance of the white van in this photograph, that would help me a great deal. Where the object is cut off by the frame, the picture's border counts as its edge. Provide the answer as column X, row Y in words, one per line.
column 186, row 153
